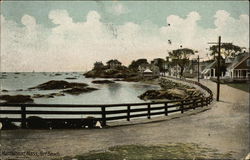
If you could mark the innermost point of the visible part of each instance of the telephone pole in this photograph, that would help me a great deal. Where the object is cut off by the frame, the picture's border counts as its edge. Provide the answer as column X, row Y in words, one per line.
column 218, row 65
column 218, row 73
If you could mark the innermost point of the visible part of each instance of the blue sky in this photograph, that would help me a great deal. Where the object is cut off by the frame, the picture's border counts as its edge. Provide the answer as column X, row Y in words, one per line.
column 36, row 34
column 138, row 11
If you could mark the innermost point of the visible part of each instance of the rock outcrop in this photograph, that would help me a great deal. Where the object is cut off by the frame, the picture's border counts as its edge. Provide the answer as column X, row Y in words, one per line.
column 70, row 88
column 77, row 91
column 102, row 81
column 71, row 78
column 16, row 98
column 120, row 72
column 171, row 91
column 7, row 124
column 34, row 122
column 51, row 95
column 55, row 84
column 163, row 94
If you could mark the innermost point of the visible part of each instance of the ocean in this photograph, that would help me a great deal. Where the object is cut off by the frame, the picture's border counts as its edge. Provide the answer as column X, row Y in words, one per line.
column 118, row 92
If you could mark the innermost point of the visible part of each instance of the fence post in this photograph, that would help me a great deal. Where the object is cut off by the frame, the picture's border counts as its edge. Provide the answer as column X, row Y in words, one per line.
column 104, row 116
column 166, row 109
column 182, row 107
column 128, row 113
column 206, row 101
column 149, row 111
column 202, row 102
column 194, row 103
column 23, row 116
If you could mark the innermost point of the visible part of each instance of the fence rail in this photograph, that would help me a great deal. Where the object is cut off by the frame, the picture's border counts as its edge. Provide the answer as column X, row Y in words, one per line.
column 105, row 112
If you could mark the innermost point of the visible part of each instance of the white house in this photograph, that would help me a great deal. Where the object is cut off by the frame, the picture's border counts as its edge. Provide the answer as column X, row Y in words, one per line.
column 148, row 73
column 236, row 68
column 239, row 68
column 209, row 71
column 149, row 70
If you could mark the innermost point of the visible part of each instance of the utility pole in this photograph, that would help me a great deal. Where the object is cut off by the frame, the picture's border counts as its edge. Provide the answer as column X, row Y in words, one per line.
column 218, row 66
column 218, row 73
column 198, row 60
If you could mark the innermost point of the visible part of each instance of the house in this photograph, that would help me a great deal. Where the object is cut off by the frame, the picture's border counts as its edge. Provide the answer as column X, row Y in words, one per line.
column 149, row 70
column 204, row 64
column 229, row 60
column 156, row 70
column 174, row 70
column 191, row 70
column 233, row 68
column 113, row 64
column 209, row 71
column 239, row 68
column 148, row 73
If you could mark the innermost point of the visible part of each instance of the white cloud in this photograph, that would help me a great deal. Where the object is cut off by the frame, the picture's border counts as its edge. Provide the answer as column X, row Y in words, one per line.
column 188, row 33
column 60, row 17
column 73, row 46
column 222, row 18
column 182, row 31
column 118, row 9
column 28, row 21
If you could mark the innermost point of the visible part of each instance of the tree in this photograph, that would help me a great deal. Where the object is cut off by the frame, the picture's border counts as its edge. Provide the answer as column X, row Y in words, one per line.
column 98, row 66
column 227, row 49
column 136, row 63
column 181, row 57
column 159, row 62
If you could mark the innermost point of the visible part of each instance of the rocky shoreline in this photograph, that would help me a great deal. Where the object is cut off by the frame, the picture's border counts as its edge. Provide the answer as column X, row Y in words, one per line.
column 171, row 91
column 64, row 87
column 102, row 82
column 121, row 73
column 16, row 98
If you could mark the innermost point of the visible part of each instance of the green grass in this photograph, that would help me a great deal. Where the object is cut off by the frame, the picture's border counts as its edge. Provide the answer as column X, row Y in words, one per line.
column 140, row 152
column 241, row 86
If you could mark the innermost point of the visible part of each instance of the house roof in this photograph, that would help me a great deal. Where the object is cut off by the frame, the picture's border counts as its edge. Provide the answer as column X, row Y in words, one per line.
column 211, row 65
column 147, row 71
column 238, row 60
column 208, row 67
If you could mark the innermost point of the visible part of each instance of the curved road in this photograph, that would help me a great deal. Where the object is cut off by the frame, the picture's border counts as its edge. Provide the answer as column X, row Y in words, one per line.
column 224, row 127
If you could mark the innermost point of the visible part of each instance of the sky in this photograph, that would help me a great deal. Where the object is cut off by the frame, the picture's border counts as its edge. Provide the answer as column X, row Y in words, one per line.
column 72, row 35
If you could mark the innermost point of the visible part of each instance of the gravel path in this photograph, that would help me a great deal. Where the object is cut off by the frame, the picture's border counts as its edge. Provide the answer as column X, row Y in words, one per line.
column 224, row 127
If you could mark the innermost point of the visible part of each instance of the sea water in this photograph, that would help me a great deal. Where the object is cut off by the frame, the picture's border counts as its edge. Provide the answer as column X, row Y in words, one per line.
column 114, row 93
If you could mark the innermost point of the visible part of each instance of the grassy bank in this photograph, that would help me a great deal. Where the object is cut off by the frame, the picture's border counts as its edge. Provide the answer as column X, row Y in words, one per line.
column 241, row 86
column 140, row 152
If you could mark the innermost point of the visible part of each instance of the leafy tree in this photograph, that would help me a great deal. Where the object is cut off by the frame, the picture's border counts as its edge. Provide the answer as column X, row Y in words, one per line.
column 181, row 57
column 227, row 49
column 159, row 62
column 136, row 63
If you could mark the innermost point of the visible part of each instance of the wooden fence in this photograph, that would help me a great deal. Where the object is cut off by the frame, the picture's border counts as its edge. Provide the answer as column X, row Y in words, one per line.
column 103, row 112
